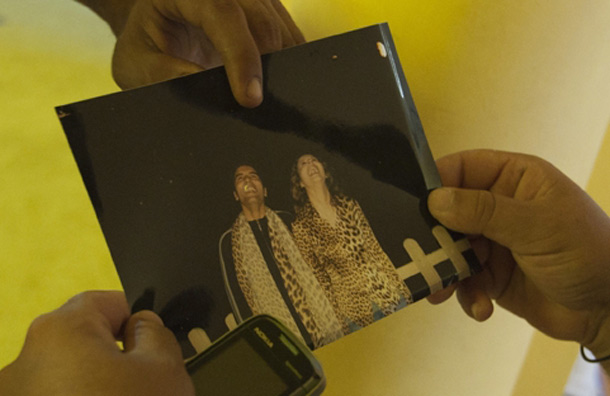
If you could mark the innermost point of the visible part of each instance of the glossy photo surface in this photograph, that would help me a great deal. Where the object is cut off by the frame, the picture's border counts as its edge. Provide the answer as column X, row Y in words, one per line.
column 310, row 207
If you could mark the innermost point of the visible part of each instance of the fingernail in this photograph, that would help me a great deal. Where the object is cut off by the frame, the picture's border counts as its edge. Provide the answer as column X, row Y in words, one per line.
column 477, row 311
column 441, row 200
column 148, row 316
column 254, row 91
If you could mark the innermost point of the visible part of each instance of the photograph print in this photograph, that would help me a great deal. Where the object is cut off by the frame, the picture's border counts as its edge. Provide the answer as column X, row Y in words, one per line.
column 310, row 208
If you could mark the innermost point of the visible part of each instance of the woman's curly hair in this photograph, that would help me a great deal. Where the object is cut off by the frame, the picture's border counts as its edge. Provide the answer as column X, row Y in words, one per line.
column 298, row 193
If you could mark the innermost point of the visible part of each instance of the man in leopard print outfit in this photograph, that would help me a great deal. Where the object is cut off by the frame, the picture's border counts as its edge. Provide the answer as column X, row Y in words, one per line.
column 270, row 270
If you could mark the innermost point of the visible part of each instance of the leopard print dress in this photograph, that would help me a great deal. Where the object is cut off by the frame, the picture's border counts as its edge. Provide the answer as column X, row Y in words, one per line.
column 358, row 277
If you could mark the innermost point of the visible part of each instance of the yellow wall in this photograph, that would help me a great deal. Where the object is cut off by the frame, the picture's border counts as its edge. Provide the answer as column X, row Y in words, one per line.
column 520, row 76
column 51, row 246
column 599, row 183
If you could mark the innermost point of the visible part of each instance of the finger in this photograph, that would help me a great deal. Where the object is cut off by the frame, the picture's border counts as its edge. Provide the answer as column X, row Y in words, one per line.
column 481, row 247
column 145, row 333
column 295, row 32
column 131, row 70
column 110, row 309
column 225, row 24
column 474, row 300
column 266, row 27
column 481, row 169
column 442, row 295
column 287, row 38
column 148, row 342
column 95, row 314
column 499, row 218
column 291, row 35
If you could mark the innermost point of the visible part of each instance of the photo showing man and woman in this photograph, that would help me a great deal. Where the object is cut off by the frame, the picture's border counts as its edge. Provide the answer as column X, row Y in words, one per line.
column 318, row 267
column 310, row 208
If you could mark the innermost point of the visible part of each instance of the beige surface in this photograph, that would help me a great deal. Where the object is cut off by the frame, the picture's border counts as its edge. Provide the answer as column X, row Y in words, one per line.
column 536, row 79
column 546, row 367
column 427, row 350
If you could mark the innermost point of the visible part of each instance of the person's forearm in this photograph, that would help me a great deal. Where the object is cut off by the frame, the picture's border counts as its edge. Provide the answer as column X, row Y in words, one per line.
column 114, row 12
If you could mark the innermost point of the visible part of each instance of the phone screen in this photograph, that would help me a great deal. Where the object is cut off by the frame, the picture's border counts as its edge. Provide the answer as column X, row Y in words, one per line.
column 238, row 370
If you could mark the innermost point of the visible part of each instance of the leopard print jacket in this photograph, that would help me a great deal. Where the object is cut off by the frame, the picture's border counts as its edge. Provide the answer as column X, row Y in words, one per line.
column 358, row 277
column 261, row 292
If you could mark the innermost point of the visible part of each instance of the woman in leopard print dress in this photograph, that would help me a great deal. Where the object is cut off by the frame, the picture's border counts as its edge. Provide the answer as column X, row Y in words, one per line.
column 336, row 239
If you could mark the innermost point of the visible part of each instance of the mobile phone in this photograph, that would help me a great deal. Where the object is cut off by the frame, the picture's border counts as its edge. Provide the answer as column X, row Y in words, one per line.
column 259, row 357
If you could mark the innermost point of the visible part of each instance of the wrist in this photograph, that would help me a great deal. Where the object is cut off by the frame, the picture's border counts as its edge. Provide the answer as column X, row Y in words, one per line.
column 599, row 346
column 114, row 12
